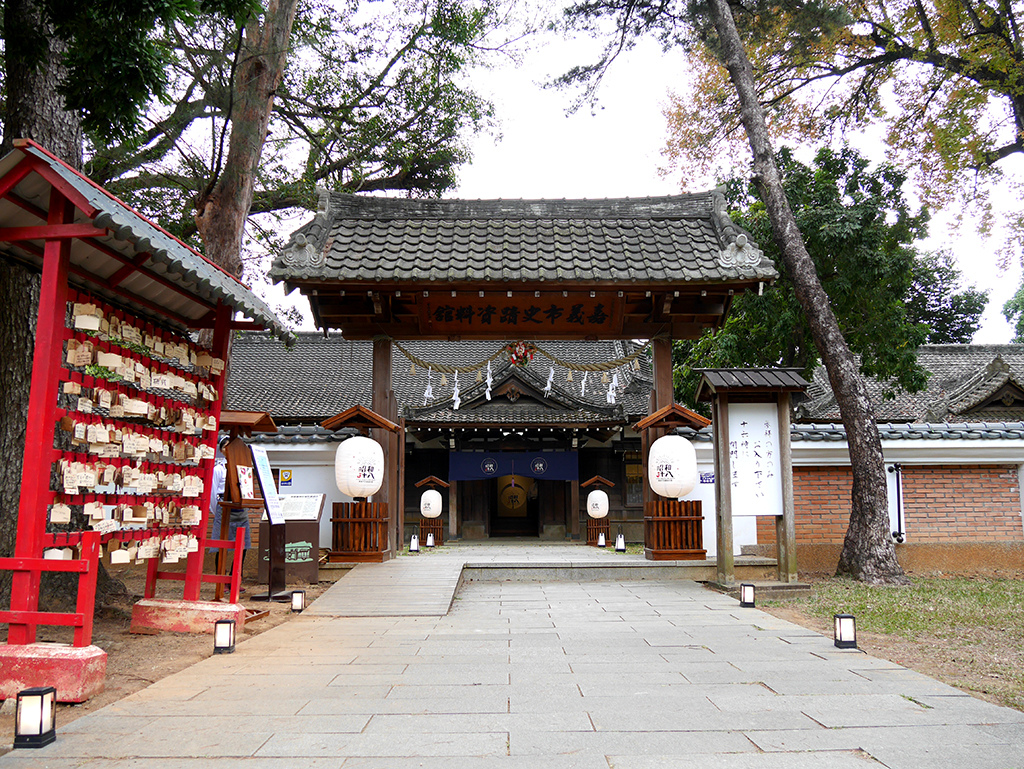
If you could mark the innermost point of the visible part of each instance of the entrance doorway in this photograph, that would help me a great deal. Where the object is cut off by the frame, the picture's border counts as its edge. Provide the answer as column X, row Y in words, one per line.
column 514, row 509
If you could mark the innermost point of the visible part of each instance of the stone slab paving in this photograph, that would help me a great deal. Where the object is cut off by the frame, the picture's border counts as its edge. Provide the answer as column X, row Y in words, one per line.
column 623, row 675
column 424, row 585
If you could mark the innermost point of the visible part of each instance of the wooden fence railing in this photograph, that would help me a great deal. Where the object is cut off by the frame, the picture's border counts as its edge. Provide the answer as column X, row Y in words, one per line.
column 673, row 530
column 596, row 526
column 433, row 526
column 359, row 532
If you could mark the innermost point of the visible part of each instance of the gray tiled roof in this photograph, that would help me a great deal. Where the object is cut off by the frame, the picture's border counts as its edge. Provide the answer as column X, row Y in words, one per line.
column 836, row 433
column 644, row 240
column 916, row 431
column 321, row 376
column 747, row 379
column 132, row 237
column 961, row 377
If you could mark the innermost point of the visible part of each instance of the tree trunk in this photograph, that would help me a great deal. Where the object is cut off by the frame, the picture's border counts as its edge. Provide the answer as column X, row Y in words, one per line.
column 222, row 210
column 32, row 110
column 868, row 553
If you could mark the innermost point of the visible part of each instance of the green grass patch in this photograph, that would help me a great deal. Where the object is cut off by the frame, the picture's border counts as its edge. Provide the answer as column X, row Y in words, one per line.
column 967, row 631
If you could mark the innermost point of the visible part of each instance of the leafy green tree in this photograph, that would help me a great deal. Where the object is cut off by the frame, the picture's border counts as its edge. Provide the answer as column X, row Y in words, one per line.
column 371, row 98
column 942, row 79
column 860, row 231
column 1013, row 311
column 939, row 299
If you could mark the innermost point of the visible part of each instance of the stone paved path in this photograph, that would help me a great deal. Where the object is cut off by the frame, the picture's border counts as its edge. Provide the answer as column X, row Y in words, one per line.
column 630, row 675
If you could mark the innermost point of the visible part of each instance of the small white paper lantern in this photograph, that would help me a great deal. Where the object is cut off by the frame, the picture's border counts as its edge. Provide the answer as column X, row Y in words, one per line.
column 298, row 600
column 430, row 503
column 600, row 540
column 597, row 504
column 672, row 466
column 620, row 544
column 359, row 467
column 430, row 539
column 414, row 544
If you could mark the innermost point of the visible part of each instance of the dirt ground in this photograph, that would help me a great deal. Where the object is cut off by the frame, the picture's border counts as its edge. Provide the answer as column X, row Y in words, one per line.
column 136, row 661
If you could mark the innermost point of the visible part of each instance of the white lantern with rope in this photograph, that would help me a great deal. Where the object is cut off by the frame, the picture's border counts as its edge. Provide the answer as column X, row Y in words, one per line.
column 359, row 467
column 430, row 503
column 672, row 467
column 597, row 504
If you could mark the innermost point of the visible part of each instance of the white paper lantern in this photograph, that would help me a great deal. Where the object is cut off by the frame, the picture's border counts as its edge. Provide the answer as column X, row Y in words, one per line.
column 672, row 466
column 359, row 467
column 430, row 503
column 597, row 504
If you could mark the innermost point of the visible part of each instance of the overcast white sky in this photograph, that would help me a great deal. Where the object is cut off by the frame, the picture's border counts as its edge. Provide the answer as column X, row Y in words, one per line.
column 616, row 152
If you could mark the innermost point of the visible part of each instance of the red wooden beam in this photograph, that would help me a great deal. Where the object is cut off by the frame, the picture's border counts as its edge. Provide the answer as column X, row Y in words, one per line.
column 13, row 177
column 42, row 564
column 66, row 190
column 16, row 618
column 50, row 231
column 118, row 277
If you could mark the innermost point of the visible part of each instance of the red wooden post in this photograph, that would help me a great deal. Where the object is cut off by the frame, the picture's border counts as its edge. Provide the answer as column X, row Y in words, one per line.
column 194, row 564
column 42, row 416
column 87, row 587
column 236, row 569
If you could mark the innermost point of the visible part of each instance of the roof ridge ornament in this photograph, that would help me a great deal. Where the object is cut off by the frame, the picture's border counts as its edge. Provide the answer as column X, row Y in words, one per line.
column 300, row 252
column 740, row 253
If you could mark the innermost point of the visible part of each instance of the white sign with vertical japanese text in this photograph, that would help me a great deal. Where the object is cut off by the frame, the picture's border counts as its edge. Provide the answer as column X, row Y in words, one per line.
column 754, row 458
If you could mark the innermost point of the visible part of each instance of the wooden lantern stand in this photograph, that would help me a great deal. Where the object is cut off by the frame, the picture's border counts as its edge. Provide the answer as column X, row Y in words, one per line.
column 673, row 529
column 598, row 526
column 361, row 529
column 433, row 526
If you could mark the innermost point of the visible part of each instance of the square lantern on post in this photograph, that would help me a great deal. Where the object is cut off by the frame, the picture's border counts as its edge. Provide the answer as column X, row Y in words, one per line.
column 35, row 721
column 224, row 636
column 845, row 631
column 298, row 600
column 747, row 595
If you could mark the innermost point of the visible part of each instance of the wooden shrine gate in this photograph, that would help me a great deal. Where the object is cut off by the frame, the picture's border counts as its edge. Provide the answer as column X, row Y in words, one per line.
column 391, row 269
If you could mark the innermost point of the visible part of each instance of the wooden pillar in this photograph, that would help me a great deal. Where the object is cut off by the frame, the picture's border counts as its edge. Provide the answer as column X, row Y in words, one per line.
column 42, row 417
column 574, row 507
column 400, row 441
column 723, row 489
column 785, row 525
column 381, row 405
column 453, row 509
column 663, row 391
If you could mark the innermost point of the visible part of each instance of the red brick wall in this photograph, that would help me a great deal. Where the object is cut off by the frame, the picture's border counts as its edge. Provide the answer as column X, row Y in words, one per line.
column 941, row 503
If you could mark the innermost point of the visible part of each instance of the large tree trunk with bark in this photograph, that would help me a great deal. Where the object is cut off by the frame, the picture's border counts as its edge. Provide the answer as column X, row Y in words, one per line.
column 34, row 110
column 221, row 211
column 868, row 553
